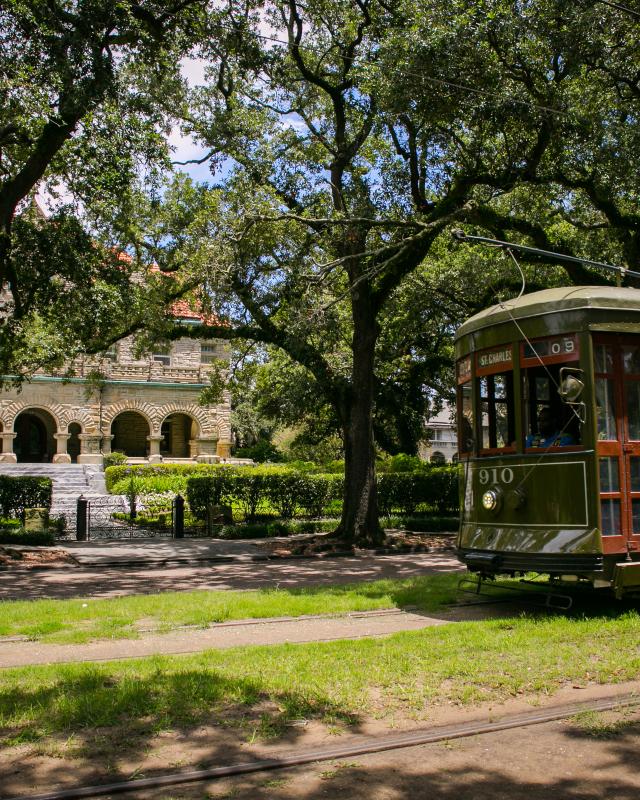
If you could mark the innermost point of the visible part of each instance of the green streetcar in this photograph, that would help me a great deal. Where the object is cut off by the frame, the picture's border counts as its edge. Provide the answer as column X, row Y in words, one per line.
column 549, row 437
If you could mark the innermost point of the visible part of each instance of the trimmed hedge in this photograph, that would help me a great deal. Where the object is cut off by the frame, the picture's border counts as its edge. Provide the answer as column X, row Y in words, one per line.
column 293, row 493
column 436, row 487
column 18, row 493
column 142, row 472
column 37, row 538
column 289, row 493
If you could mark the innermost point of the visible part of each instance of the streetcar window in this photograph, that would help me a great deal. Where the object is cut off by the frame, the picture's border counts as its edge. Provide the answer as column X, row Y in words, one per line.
column 465, row 418
column 605, row 395
column 496, row 410
column 610, row 512
column 548, row 421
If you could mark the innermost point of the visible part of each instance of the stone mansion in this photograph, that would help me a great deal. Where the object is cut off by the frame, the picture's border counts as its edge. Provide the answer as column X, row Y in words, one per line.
column 144, row 407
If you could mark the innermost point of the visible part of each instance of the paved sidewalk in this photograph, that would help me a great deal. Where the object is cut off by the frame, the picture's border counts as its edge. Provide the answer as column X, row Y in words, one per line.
column 158, row 551
column 218, row 636
column 103, row 581
column 239, row 633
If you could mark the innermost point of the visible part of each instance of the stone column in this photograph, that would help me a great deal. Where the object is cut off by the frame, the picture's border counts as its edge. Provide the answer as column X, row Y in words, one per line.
column 61, row 456
column 7, row 454
column 154, row 448
column 90, row 448
column 207, row 449
column 106, row 443
column 223, row 449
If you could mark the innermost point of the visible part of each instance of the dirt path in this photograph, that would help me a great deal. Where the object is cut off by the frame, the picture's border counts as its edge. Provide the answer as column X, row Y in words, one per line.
column 100, row 581
column 580, row 758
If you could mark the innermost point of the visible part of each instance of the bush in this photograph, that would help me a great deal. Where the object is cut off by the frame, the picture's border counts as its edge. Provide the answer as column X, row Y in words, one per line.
column 443, row 483
column 20, row 536
column 425, row 524
column 213, row 489
column 18, row 493
column 151, row 475
column 433, row 487
column 114, row 459
column 403, row 463
column 260, row 452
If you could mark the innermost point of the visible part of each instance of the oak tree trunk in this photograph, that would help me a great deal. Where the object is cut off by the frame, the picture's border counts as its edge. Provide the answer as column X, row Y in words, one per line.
column 359, row 523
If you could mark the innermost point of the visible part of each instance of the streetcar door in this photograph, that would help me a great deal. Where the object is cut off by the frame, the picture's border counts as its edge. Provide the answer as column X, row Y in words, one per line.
column 617, row 391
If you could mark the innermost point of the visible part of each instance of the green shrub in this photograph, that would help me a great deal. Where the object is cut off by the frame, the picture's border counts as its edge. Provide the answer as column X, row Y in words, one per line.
column 9, row 524
column 20, row 536
column 433, row 487
column 404, row 463
column 18, row 493
column 443, row 485
column 249, row 491
column 424, row 524
column 146, row 474
column 213, row 489
column 254, row 531
column 260, row 452
column 114, row 459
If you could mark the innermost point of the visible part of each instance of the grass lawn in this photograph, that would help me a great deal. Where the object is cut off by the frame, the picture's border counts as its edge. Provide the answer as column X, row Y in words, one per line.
column 336, row 682
column 81, row 620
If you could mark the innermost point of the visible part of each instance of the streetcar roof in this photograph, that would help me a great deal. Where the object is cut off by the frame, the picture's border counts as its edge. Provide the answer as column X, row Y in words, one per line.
column 553, row 301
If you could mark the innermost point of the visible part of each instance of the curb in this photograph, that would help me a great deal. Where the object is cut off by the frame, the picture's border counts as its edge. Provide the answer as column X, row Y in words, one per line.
column 228, row 559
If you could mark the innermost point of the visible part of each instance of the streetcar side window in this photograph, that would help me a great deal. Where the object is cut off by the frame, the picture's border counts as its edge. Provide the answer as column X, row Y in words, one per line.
column 495, row 425
column 465, row 407
column 496, row 410
column 465, row 418
column 548, row 422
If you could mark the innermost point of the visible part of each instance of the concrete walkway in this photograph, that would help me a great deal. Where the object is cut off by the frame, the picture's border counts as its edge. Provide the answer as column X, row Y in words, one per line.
column 100, row 580
column 356, row 625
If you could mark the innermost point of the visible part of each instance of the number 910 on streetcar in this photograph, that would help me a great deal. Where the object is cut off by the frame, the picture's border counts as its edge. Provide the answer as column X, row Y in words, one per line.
column 548, row 396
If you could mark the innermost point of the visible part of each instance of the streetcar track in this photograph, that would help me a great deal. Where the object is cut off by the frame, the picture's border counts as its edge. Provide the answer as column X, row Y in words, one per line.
column 356, row 748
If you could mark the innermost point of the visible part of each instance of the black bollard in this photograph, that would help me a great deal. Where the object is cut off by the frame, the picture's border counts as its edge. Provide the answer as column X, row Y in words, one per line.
column 178, row 517
column 82, row 519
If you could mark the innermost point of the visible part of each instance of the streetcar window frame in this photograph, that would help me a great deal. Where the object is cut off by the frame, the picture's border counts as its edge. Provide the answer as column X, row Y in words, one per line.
column 493, row 365
column 541, row 360
column 465, row 408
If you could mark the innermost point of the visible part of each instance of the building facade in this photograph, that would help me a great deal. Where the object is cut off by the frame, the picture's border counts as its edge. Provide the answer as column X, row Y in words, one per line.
column 146, row 407
column 441, row 446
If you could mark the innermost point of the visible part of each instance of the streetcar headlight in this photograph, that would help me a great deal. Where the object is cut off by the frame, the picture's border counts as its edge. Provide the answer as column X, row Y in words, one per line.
column 490, row 500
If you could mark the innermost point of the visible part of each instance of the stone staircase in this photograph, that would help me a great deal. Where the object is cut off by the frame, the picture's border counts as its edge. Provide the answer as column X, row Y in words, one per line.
column 69, row 482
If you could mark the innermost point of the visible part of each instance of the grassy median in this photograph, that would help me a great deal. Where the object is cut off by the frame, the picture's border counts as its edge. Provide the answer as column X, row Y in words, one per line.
column 336, row 682
column 85, row 619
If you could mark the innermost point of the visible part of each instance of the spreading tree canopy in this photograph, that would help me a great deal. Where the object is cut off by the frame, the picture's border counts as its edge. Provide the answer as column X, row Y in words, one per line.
column 349, row 137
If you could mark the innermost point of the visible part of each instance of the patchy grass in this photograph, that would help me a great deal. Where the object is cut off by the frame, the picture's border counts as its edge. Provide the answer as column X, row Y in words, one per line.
column 260, row 690
column 605, row 725
column 86, row 619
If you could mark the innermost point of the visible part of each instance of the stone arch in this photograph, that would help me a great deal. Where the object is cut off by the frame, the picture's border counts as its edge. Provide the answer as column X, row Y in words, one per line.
column 83, row 418
column 35, row 430
column 179, row 433
column 224, row 431
column 204, row 418
column 12, row 411
column 146, row 410
column 130, row 431
column 438, row 458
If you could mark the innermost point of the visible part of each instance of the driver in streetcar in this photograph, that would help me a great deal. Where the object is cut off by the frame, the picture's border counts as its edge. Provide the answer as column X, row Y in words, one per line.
column 549, row 432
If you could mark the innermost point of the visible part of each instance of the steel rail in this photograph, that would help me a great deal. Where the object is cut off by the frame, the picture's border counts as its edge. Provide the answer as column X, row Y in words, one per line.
column 373, row 745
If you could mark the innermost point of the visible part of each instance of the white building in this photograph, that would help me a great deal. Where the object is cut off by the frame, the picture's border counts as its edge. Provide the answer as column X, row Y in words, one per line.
column 442, row 443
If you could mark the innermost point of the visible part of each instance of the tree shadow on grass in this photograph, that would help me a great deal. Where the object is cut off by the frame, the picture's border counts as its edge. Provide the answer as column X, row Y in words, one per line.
column 105, row 721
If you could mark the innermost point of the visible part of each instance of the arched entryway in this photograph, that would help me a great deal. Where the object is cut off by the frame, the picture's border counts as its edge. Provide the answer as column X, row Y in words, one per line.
column 34, row 442
column 73, row 443
column 438, row 458
column 130, row 431
column 177, row 430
